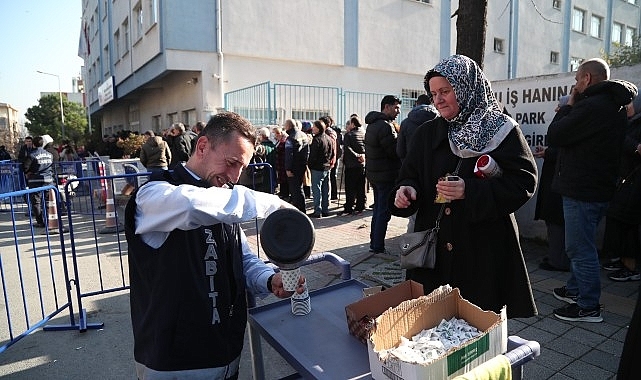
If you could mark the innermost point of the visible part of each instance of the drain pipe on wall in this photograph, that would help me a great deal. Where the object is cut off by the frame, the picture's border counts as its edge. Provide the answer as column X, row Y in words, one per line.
column 219, row 51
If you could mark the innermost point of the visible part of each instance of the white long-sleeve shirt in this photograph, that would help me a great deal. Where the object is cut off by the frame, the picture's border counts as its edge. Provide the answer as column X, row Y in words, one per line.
column 163, row 207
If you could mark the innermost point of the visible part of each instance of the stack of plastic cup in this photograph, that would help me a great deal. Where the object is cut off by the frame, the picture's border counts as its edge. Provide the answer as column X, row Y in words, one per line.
column 301, row 304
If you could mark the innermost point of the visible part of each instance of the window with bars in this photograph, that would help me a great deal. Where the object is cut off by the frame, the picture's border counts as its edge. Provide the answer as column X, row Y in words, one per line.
column 554, row 57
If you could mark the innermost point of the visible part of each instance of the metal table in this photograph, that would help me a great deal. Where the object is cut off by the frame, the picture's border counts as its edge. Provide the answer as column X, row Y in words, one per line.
column 317, row 345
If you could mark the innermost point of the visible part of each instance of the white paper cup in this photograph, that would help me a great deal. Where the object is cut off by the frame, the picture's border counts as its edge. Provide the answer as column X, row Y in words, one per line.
column 290, row 279
column 301, row 306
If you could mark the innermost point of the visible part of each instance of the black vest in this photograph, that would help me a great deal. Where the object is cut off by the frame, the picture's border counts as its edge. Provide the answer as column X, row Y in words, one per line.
column 40, row 170
column 188, row 305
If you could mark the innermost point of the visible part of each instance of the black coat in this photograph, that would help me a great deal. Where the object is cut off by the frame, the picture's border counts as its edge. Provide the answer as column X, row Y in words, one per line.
column 353, row 145
column 549, row 204
column 381, row 161
column 478, row 244
column 626, row 204
column 417, row 116
column 590, row 136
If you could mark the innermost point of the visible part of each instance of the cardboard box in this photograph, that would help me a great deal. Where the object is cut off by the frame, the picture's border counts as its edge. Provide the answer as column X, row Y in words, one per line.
column 411, row 317
column 361, row 314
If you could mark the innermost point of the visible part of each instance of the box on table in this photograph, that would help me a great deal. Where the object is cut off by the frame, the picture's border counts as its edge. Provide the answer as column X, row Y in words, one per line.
column 411, row 317
column 361, row 314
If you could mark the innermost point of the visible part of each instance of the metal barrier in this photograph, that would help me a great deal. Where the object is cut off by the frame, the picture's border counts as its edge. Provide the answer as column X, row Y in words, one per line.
column 34, row 281
column 12, row 179
column 267, row 104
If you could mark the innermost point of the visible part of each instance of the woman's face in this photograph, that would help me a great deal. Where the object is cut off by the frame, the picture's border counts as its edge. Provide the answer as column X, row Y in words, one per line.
column 444, row 97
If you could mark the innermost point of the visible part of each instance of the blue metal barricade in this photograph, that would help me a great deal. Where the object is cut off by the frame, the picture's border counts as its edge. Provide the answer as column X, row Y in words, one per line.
column 34, row 281
column 11, row 180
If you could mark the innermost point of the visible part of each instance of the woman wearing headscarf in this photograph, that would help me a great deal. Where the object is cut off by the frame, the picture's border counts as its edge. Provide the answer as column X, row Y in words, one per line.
column 478, row 247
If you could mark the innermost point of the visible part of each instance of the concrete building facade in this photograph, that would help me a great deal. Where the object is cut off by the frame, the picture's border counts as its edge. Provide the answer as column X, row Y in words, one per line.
column 10, row 126
column 149, row 63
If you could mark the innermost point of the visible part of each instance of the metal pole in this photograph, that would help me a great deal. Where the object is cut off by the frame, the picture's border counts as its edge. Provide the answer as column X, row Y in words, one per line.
column 62, row 110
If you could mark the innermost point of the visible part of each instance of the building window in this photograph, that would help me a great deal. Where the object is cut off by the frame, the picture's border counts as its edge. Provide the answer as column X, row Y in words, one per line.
column 554, row 57
column 556, row 4
column 424, row 1
column 575, row 62
column 498, row 45
column 578, row 18
column 156, row 123
column 125, row 36
column 117, row 42
column 630, row 33
column 595, row 26
column 172, row 118
column 617, row 30
column 632, row 2
column 151, row 13
column 189, row 118
column 106, row 66
column 134, row 118
column 138, row 30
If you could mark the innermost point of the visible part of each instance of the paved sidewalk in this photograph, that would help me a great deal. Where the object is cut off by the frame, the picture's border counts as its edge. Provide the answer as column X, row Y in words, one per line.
column 569, row 350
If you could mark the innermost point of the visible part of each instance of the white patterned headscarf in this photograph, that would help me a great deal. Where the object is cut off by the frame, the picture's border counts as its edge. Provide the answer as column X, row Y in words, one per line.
column 480, row 125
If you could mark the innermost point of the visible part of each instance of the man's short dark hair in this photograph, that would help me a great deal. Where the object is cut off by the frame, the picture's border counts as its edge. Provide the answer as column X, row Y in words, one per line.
column 389, row 99
column 423, row 99
column 37, row 141
column 222, row 126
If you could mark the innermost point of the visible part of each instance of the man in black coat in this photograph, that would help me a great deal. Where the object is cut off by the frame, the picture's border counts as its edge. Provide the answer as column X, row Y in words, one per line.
column 381, row 165
column 423, row 111
column 589, row 134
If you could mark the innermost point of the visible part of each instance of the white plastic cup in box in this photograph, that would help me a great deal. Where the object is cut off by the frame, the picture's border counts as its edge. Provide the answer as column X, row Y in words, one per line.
column 290, row 279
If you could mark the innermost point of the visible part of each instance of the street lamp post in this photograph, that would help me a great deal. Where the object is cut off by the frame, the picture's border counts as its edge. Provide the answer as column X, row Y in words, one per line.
column 62, row 111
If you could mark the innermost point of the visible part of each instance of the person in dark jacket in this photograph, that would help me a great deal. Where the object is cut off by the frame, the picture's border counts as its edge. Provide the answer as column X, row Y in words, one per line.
column 179, row 143
column 629, row 368
column 421, row 113
column 339, row 154
column 549, row 206
column 478, row 249
column 38, row 169
column 381, row 165
column 296, row 155
column 189, row 260
column 589, row 133
column 354, row 166
column 321, row 152
column 155, row 154
column 4, row 155
column 26, row 149
column 621, row 238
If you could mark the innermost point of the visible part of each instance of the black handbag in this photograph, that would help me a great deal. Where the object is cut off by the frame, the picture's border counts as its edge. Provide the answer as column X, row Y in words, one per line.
column 418, row 249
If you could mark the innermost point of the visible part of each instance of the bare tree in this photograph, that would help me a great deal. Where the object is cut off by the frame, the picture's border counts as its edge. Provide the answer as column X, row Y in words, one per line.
column 471, row 24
